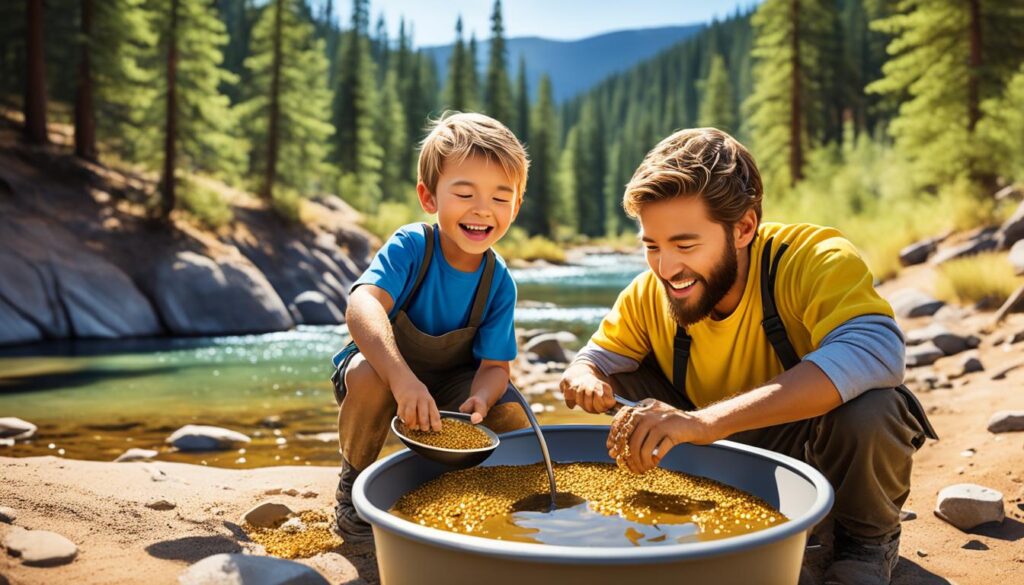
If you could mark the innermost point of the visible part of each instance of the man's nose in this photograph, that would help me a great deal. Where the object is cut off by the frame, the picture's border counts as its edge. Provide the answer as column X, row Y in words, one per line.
column 669, row 266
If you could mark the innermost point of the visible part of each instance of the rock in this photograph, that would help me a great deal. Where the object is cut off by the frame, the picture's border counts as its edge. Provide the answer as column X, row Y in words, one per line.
column 910, row 302
column 537, row 408
column 1002, row 372
column 290, row 492
column 918, row 252
column 272, row 422
column 310, row 494
column 272, row 491
column 267, row 514
column 40, row 548
column 15, row 428
column 293, row 525
column 197, row 295
column 1016, row 257
column 205, row 438
column 161, row 505
column 316, row 309
column 967, row 505
column 136, row 455
column 971, row 365
column 335, row 567
column 950, row 343
column 6, row 442
column 239, row 569
column 922, row 553
column 55, row 287
column 1011, row 191
column 907, row 515
column 973, row 247
column 155, row 474
column 1012, row 229
column 548, row 346
column 1006, row 421
column 8, row 515
column 923, row 355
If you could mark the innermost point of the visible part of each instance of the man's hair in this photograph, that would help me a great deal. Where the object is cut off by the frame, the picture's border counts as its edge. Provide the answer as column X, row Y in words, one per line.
column 456, row 136
column 703, row 162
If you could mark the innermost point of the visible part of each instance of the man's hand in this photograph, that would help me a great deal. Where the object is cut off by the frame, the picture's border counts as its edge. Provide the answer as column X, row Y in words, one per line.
column 416, row 406
column 476, row 407
column 651, row 429
column 581, row 386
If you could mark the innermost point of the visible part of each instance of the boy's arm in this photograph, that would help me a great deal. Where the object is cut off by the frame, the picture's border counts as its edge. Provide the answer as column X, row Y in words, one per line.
column 368, row 323
column 489, row 385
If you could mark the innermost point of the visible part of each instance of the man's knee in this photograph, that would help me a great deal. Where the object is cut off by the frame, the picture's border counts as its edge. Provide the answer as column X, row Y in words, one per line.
column 506, row 417
column 879, row 415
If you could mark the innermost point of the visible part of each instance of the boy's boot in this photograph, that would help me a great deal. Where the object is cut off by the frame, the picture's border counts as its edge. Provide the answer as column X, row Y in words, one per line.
column 863, row 563
column 350, row 526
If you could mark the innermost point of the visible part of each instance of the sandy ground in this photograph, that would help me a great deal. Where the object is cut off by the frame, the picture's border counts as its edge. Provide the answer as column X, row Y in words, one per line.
column 101, row 506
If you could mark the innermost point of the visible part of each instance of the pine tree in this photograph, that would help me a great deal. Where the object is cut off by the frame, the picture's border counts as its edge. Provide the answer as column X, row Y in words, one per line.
column 35, row 79
column 113, row 87
column 523, row 104
column 391, row 133
column 947, row 57
column 457, row 94
column 238, row 17
column 193, row 117
column 287, row 102
column 1002, row 126
column 472, row 72
column 498, row 92
column 787, row 101
column 357, row 151
column 538, row 215
column 716, row 106
column 589, row 171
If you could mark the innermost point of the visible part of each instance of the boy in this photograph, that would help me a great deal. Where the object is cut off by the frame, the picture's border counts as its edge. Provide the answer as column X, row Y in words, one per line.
column 431, row 318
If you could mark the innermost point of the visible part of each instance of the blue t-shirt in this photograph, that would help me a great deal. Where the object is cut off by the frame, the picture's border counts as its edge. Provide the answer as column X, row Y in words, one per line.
column 446, row 294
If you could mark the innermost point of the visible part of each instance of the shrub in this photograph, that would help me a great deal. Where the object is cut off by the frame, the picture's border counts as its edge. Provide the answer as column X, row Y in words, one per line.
column 985, row 278
column 204, row 204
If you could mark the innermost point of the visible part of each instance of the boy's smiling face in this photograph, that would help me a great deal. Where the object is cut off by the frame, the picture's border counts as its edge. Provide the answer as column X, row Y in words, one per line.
column 475, row 203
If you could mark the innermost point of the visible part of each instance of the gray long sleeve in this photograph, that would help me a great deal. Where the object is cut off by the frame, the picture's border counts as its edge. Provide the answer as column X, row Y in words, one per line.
column 863, row 353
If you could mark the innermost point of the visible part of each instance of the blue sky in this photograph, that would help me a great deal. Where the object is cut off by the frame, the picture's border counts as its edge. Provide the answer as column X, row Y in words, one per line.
column 555, row 19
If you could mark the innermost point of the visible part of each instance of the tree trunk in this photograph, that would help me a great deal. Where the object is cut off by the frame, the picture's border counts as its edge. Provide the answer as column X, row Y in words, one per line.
column 270, row 176
column 796, row 150
column 35, row 78
column 168, row 200
column 974, row 66
column 85, row 115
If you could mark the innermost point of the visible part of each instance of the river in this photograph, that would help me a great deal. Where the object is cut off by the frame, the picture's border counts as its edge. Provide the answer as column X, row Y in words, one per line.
column 95, row 399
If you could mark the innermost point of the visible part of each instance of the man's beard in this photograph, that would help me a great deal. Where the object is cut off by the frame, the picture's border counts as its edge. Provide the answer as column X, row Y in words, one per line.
column 689, row 311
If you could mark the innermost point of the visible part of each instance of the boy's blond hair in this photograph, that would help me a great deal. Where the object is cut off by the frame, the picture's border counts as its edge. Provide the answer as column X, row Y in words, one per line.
column 705, row 162
column 455, row 136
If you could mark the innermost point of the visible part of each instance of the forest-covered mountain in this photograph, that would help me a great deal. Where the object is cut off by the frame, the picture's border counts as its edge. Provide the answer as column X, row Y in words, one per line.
column 865, row 114
column 575, row 66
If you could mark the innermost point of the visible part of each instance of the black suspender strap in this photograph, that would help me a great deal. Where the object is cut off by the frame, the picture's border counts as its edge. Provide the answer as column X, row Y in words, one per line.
column 680, row 357
column 773, row 326
column 428, row 231
column 483, row 290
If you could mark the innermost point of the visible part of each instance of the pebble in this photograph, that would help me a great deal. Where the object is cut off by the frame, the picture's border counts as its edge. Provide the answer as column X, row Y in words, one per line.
column 40, row 548
column 537, row 408
column 6, row 442
column 136, row 455
column 272, row 491
column 309, row 494
column 267, row 514
column 922, row 355
column 272, row 422
column 1006, row 421
column 968, row 453
column 15, row 428
column 161, row 505
column 8, row 515
column 968, row 505
column 922, row 553
column 249, row 569
column 155, row 474
column 907, row 515
column 290, row 492
column 293, row 525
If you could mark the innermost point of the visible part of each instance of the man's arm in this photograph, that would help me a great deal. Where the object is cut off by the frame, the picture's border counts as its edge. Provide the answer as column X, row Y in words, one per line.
column 864, row 353
column 367, row 318
column 489, row 385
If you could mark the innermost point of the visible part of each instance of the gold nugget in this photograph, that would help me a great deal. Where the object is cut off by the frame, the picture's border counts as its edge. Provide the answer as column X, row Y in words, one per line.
column 454, row 434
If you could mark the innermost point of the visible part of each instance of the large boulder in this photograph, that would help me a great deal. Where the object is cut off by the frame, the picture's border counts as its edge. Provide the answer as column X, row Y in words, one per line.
column 972, row 247
column 53, row 286
column 316, row 309
column 240, row 569
column 918, row 252
column 14, row 428
column 197, row 295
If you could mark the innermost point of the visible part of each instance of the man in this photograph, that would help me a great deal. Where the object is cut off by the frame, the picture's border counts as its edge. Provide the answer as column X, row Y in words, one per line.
column 767, row 334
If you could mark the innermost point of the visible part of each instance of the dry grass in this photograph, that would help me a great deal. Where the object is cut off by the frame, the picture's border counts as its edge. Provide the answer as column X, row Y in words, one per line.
column 984, row 278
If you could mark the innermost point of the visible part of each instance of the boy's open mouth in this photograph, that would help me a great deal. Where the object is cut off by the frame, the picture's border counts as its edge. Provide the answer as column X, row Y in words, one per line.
column 476, row 232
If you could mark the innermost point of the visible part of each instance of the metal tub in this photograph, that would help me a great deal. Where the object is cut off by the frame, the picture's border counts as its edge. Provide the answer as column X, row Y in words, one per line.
column 408, row 553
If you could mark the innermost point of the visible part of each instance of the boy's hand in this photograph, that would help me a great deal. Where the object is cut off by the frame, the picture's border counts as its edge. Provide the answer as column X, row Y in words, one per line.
column 416, row 407
column 580, row 386
column 475, row 406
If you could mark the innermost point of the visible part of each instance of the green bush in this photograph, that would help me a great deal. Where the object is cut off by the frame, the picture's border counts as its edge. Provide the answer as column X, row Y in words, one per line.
column 391, row 215
column 517, row 245
column 204, row 204
column 984, row 278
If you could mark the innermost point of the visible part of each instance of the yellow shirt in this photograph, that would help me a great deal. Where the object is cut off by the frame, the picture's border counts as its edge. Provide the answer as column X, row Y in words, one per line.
column 822, row 282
